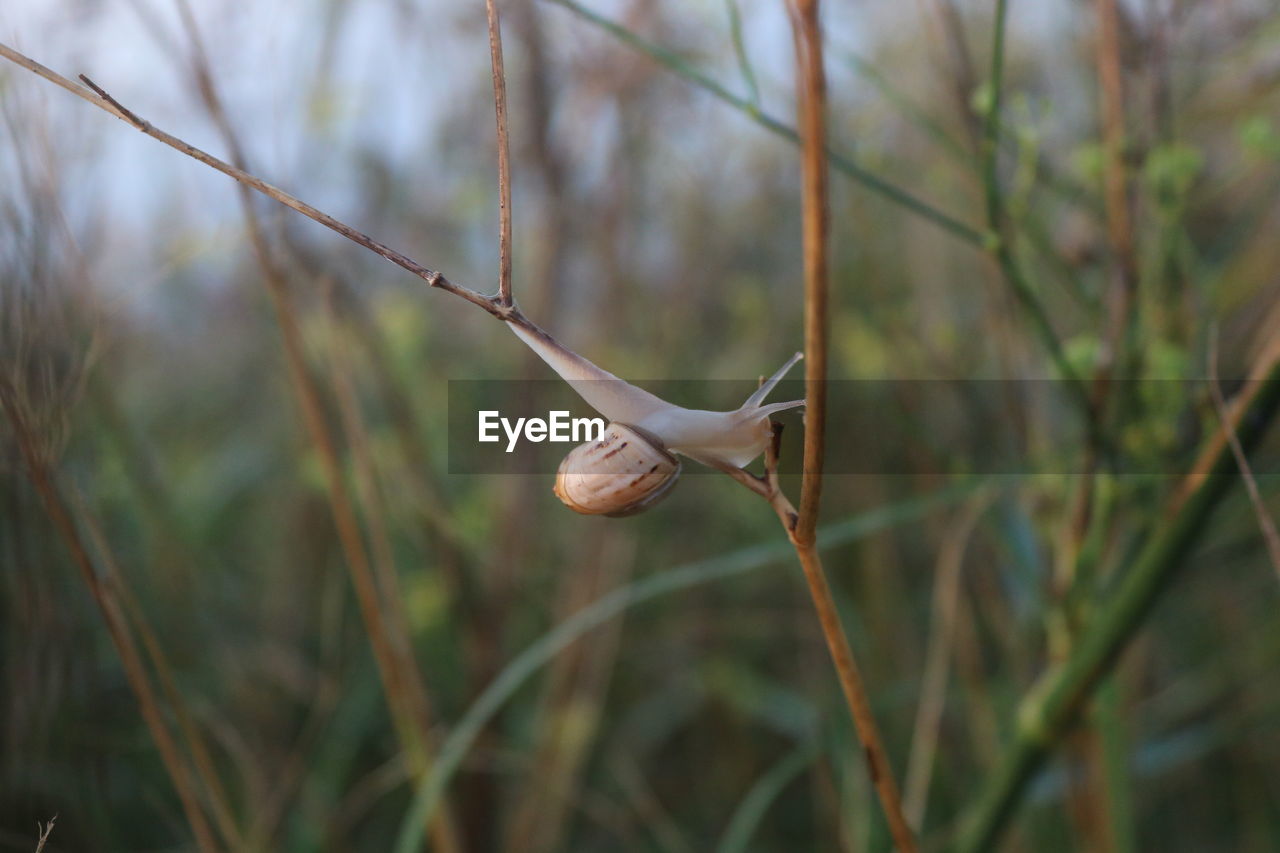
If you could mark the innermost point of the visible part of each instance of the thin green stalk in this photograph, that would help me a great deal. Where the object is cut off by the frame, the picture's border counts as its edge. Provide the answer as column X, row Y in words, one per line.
column 989, row 241
column 840, row 163
column 737, row 835
column 740, row 51
column 1117, row 796
column 1063, row 186
column 1050, row 707
column 919, row 117
column 545, row 648
column 998, row 242
column 991, row 128
column 935, row 130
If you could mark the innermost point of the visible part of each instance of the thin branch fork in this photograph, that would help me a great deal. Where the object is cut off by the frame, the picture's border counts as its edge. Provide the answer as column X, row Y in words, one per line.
column 500, row 306
column 95, row 95
column 765, row 485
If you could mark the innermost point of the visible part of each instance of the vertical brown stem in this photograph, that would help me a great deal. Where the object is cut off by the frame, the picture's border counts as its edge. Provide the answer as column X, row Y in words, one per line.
column 811, row 89
column 504, row 154
column 813, row 131
column 941, row 647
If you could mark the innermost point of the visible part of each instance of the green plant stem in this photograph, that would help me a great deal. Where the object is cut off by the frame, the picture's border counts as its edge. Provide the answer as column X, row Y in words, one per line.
column 999, row 243
column 998, row 247
column 1117, row 799
column 674, row 63
column 1061, row 185
column 740, row 51
column 931, row 126
column 991, row 128
column 1050, row 707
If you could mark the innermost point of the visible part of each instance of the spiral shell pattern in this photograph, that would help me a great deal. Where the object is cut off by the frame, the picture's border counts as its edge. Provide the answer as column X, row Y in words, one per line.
column 624, row 472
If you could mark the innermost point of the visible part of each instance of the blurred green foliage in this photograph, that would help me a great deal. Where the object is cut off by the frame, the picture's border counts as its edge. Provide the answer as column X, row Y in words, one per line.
column 656, row 231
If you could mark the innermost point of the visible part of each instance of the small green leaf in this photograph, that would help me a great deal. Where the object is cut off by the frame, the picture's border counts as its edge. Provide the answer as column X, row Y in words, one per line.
column 1087, row 161
column 1171, row 170
column 982, row 99
column 1259, row 137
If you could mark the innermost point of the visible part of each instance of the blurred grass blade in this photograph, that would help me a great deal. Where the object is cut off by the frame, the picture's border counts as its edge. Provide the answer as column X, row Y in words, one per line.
column 542, row 650
column 998, row 218
column 840, row 163
column 931, row 126
column 740, row 51
column 61, row 515
column 737, row 836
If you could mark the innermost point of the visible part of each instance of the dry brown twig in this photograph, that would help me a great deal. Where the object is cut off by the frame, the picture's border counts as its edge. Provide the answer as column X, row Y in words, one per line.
column 1267, row 526
column 941, row 646
column 44, row 831
column 504, row 154
column 95, row 95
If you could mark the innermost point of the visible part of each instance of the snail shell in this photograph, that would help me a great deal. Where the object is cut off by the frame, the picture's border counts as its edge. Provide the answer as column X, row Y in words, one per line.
column 624, row 472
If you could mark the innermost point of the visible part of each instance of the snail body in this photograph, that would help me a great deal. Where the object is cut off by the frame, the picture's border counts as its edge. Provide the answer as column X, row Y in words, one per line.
column 632, row 466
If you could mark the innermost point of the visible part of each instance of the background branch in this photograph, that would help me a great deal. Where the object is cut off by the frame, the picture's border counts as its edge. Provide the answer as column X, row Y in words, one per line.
column 1049, row 709
column 135, row 671
column 1268, row 527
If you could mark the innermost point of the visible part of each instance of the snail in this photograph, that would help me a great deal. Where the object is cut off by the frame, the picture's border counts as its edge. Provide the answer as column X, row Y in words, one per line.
column 634, row 465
